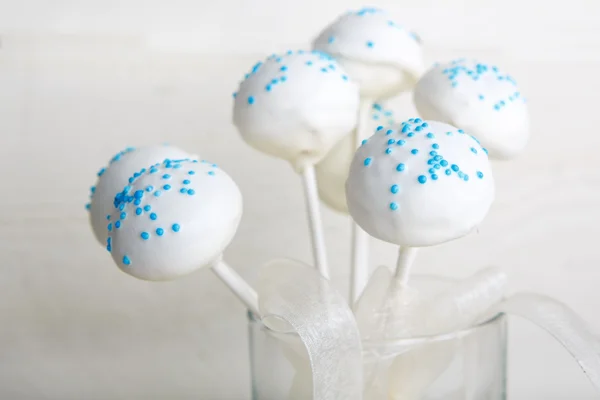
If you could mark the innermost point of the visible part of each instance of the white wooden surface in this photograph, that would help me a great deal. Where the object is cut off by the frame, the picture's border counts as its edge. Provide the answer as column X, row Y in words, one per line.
column 81, row 79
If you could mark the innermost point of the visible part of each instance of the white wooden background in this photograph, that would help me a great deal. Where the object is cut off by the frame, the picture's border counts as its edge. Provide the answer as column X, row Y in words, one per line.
column 79, row 80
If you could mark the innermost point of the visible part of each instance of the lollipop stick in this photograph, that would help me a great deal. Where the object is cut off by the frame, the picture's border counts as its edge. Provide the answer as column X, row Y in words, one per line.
column 237, row 285
column 359, row 271
column 314, row 219
column 406, row 257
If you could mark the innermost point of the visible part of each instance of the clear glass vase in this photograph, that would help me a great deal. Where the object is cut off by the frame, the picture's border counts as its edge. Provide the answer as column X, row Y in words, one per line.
column 466, row 365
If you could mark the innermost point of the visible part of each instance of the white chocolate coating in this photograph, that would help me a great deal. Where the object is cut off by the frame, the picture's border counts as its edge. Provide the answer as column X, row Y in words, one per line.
column 419, row 183
column 114, row 177
column 480, row 99
column 296, row 106
column 383, row 57
column 332, row 171
column 174, row 218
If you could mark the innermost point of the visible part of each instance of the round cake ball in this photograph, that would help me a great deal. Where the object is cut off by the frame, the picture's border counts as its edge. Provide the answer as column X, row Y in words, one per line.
column 419, row 183
column 480, row 99
column 172, row 219
column 384, row 57
column 332, row 171
column 112, row 178
column 296, row 106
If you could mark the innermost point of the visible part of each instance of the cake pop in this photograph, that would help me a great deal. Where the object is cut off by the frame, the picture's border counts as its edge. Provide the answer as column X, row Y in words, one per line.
column 296, row 106
column 112, row 178
column 174, row 218
column 478, row 98
column 382, row 56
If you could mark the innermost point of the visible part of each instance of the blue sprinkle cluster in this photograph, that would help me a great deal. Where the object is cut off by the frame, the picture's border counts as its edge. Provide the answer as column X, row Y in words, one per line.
column 132, row 201
column 435, row 164
column 319, row 61
column 464, row 70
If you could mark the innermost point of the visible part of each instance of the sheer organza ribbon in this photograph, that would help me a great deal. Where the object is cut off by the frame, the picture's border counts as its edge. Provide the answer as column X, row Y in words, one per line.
column 294, row 297
column 563, row 324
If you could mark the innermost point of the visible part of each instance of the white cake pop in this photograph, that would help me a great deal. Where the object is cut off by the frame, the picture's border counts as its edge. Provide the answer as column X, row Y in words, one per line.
column 478, row 98
column 420, row 183
column 174, row 218
column 112, row 178
column 381, row 55
column 332, row 171
column 296, row 106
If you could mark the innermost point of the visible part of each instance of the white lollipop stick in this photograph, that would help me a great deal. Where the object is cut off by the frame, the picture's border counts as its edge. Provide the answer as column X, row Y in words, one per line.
column 406, row 257
column 315, row 223
column 237, row 285
column 359, row 269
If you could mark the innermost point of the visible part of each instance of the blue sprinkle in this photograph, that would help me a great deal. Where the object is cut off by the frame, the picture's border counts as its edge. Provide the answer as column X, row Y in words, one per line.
column 405, row 128
column 160, row 231
column 309, row 63
column 345, row 77
column 393, row 206
column 448, row 171
column 283, row 78
column 480, row 174
column 430, row 135
column 461, row 131
column 191, row 192
column 147, row 208
column 431, row 171
column 126, row 260
column 176, row 227
column 434, row 177
column 324, row 70
column 137, row 202
column 424, row 124
column 481, row 97
column 186, row 181
column 191, row 172
column 234, row 95
column 130, row 180
column 167, row 187
column 268, row 88
column 153, row 216
column 422, row 179
column 473, row 150
column 389, row 132
column 418, row 120
column 123, row 215
column 109, row 227
column 118, row 224
column 418, row 129
column 433, row 153
column 466, row 177
column 379, row 128
column 388, row 151
column 250, row 100
column 283, row 68
column 410, row 134
column 394, row 189
column 145, row 235
column 444, row 163
column 400, row 142
column 149, row 188
column 367, row 161
column 414, row 151
column 364, row 142
column 437, row 158
column 88, row 206
column 157, row 193
column 430, row 161
column 182, row 190
column 437, row 166
column 435, row 146
column 454, row 167
column 211, row 172
column 166, row 176
column 370, row 44
column 108, row 217
column 400, row 167
column 138, row 194
column 138, row 211
column 461, row 174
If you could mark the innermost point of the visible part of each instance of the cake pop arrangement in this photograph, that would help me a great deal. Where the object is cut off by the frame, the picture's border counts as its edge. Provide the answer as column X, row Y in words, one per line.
column 162, row 213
